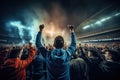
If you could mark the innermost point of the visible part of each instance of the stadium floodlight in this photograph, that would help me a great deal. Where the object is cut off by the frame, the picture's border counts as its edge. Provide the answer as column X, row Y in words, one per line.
column 105, row 19
column 98, row 22
column 101, row 21
column 108, row 18
column 86, row 27
column 117, row 14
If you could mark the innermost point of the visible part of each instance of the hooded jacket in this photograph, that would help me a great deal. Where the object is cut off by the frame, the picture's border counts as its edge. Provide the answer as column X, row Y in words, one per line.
column 57, row 60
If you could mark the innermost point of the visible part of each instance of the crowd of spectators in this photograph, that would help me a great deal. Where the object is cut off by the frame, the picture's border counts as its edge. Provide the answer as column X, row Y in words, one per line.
column 83, row 62
column 87, row 62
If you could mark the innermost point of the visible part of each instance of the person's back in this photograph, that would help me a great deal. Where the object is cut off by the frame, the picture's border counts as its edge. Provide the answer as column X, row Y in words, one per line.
column 78, row 69
column 58, row 65
column 37, row 67
column 93, row 60
column 58, row 59
column 14, row 68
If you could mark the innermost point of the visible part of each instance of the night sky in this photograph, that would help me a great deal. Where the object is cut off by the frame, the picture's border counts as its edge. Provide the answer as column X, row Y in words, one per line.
column 81, row 9
column 59, row 12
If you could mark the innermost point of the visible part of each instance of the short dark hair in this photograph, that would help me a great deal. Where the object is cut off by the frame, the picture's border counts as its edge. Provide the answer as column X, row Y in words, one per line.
column 115, row 55
column 94, row 53
column 14, row 53
column 59, row 42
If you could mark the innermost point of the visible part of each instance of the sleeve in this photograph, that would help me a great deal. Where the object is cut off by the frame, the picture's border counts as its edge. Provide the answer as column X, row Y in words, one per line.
column 72, row 47
column 39, row 45
column 38, row 40
column 25, row 63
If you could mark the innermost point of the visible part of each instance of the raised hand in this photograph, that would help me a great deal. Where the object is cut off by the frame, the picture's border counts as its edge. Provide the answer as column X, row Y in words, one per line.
column 41, row 27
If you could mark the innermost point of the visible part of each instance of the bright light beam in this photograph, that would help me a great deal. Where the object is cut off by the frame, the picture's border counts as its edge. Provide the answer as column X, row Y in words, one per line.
column 117, row 14
column 99, row 22
column 86, row 27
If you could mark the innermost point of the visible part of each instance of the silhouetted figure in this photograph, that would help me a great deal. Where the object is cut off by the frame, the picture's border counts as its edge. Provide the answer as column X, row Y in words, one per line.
column 111, row 67
column 78, row 69
column 58, row 59
column 93, row 59
column 38, row 67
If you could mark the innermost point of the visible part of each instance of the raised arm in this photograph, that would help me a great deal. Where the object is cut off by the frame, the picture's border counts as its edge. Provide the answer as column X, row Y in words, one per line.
column 38, row 40
column 26, row 62
column 39, row 37
column 72, row 47
column 39, row 44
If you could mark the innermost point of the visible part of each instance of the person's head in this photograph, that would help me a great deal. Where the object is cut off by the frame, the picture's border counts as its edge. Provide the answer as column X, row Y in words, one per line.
column 75, row 55
column 15, row 53
column 79, row 45
column 112, row 55
column 107, row 55
column 59, row 42
column 92, row 53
